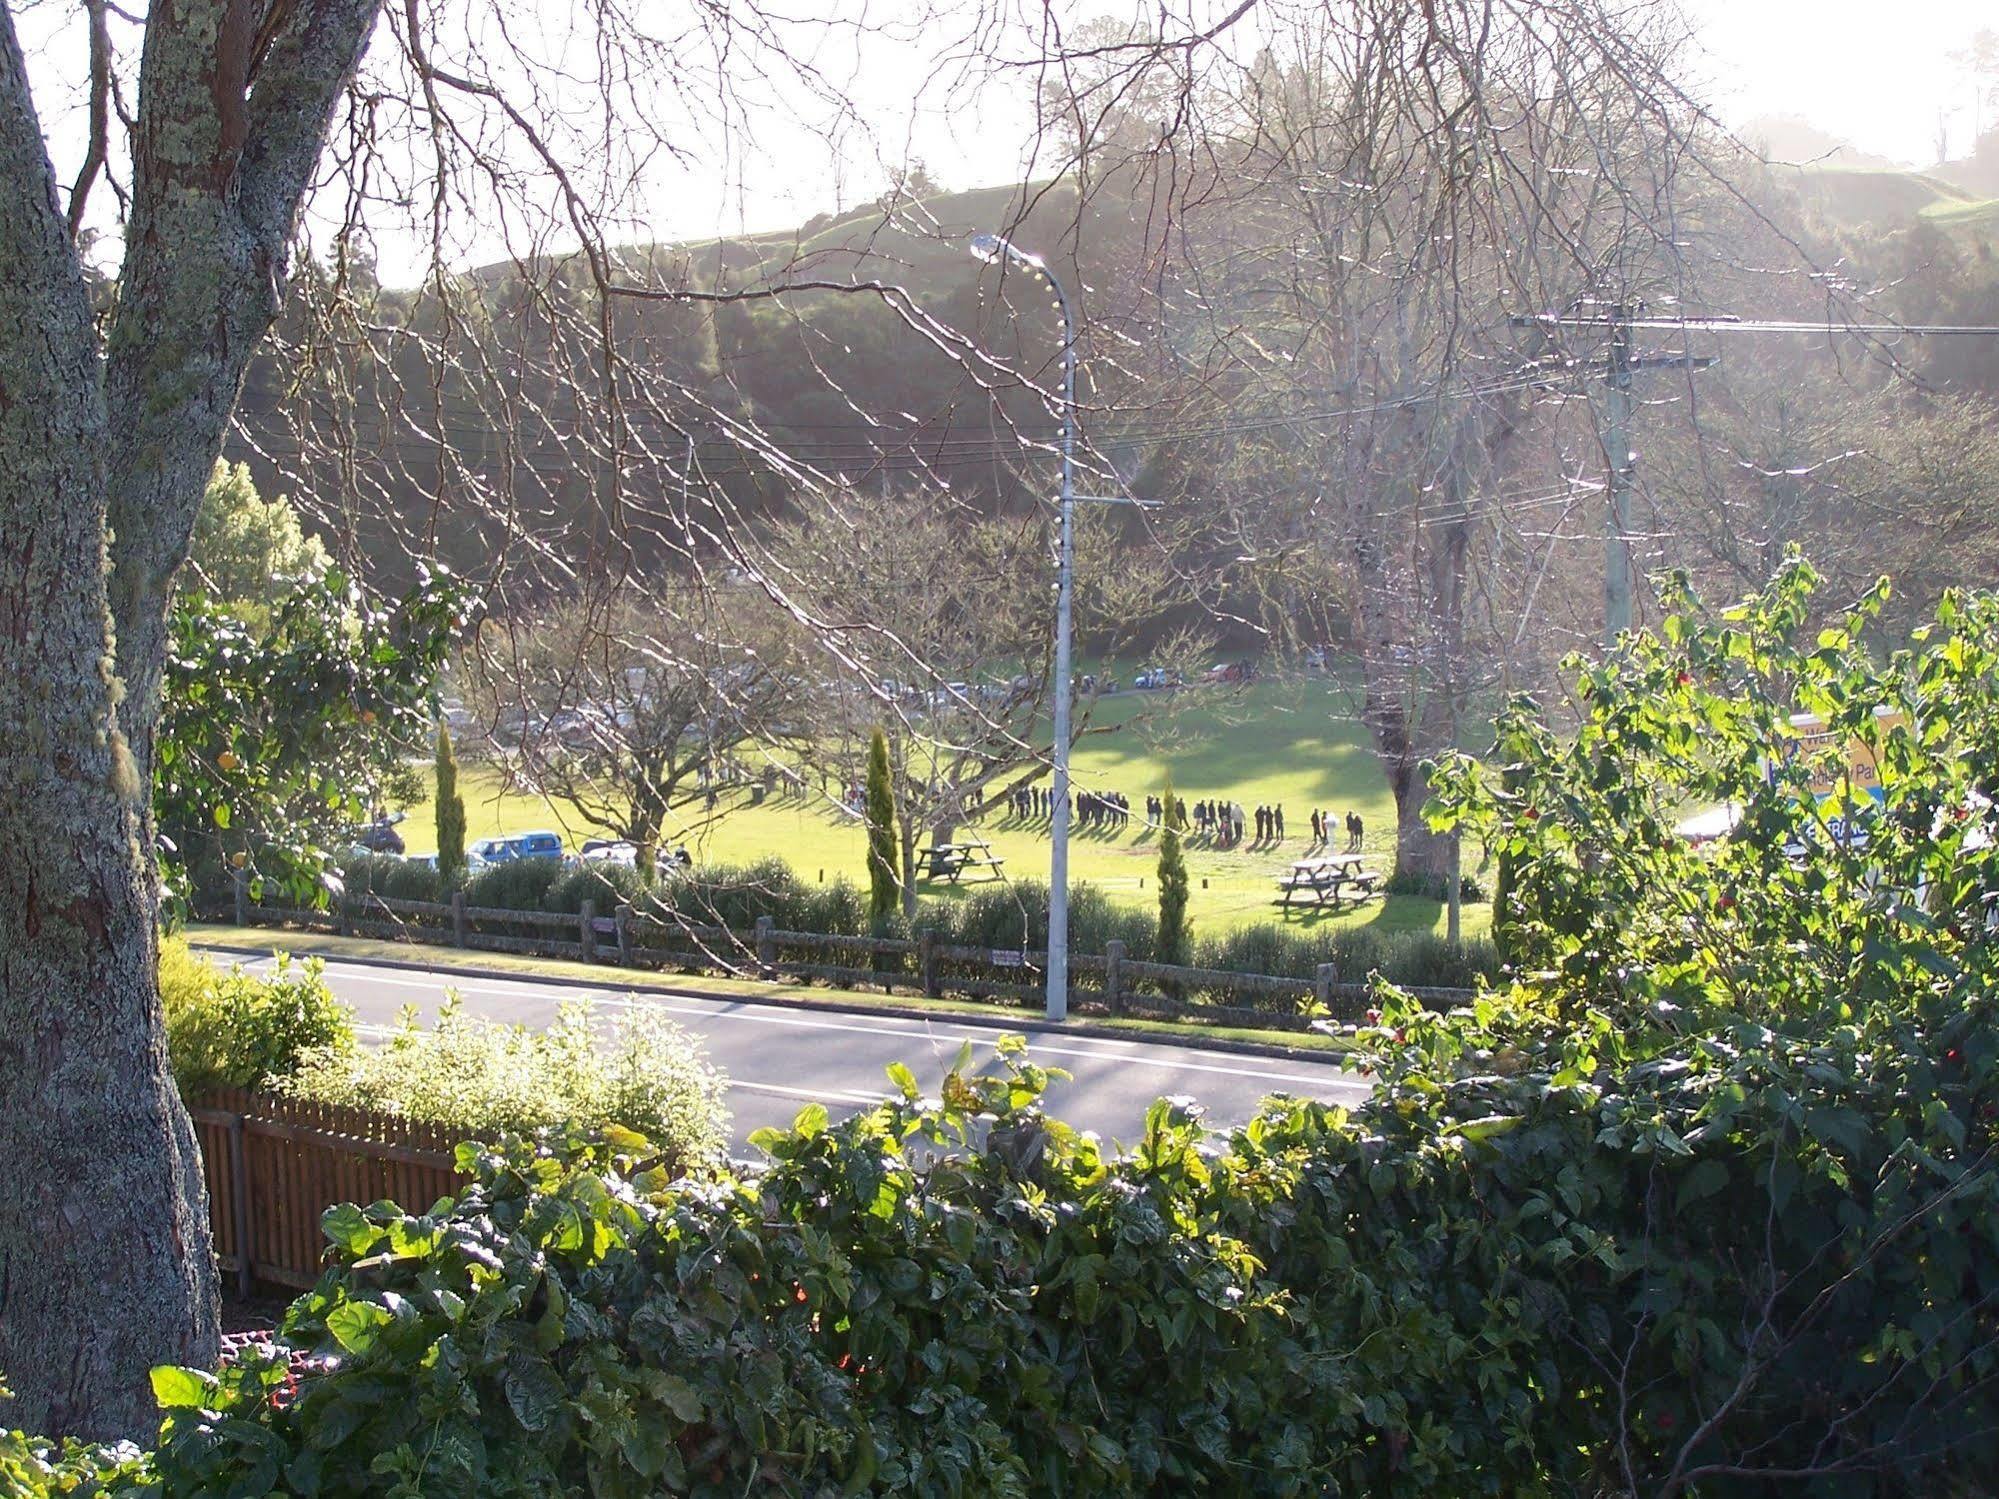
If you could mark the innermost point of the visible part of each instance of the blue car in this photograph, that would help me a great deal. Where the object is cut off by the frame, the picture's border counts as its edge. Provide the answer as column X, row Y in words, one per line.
column 518, row 846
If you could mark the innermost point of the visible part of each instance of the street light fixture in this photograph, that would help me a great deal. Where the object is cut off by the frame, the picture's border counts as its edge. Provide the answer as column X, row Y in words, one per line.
column 993, row 247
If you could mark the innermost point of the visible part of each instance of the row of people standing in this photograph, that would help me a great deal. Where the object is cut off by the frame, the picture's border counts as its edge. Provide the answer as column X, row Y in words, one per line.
column 1322, row 830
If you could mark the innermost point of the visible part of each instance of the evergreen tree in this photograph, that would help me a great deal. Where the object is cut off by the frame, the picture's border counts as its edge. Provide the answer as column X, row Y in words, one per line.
column 1175, row 934
column 450, row 811
column 884, row 889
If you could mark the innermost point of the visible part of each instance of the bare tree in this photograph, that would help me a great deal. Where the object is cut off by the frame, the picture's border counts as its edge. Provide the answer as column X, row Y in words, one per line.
column 946, row 634
column 625, row 708
column 258, row 154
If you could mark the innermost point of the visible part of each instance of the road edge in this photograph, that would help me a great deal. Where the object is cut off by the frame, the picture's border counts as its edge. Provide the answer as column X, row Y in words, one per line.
column 1024, row 1024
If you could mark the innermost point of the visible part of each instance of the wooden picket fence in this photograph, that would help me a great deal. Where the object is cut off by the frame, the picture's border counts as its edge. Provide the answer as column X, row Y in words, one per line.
column 275, row 1165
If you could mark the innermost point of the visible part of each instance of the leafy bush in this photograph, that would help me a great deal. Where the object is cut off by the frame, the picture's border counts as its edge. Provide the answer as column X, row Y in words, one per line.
column 482, row 1077
column 1433, row 886
column 606, row 884
column 516, row 885
column 36, row 1468
column 1700, row 1203
column 394, row 878
column 236, row 1030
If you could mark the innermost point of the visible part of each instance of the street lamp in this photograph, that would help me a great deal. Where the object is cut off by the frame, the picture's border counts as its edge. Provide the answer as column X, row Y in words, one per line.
column 991, row 247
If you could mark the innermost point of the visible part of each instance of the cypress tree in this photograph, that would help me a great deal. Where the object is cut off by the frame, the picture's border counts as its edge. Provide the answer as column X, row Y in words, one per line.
column 884, row 889
column 1175, row 943
column 450, row 811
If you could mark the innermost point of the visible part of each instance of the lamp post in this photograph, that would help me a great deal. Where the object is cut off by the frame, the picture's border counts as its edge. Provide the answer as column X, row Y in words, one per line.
column 992, row 247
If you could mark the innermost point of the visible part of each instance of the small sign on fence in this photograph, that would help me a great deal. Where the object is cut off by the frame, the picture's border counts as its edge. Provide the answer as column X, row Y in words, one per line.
column 1003, row 958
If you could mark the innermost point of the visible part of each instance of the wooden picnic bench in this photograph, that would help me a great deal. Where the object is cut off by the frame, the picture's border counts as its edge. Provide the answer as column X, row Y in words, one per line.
column 950, row 861
column 1330, row 881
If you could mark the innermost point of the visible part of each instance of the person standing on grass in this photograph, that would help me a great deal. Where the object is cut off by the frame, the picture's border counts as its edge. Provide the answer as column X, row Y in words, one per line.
column 1277, row 816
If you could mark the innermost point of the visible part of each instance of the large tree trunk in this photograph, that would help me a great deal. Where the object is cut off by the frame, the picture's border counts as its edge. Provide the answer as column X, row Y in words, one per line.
column 105, row 1267
column 105, row 1262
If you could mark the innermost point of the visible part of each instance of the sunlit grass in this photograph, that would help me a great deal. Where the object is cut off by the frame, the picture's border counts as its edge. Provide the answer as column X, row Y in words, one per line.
column 1292, row 743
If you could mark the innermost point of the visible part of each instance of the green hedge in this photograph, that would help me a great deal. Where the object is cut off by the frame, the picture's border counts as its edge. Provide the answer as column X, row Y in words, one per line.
column 1509, row 1286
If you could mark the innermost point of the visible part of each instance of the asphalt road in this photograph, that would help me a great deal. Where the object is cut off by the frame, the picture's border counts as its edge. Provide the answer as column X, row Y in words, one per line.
column 779, row 1058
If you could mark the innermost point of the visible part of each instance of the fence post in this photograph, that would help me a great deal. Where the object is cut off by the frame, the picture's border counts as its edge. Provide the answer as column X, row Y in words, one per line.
column 346, row 922
column 586, row 925
column 1322, row 985
column 241, row 880
column 458, row 918
column 926, row 959
column 239, row 1203
column 623, row 918
column 766, row 948
column 1113, row 975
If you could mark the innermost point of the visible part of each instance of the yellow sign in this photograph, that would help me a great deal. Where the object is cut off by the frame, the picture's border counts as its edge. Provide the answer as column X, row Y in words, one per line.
column 1834, row 768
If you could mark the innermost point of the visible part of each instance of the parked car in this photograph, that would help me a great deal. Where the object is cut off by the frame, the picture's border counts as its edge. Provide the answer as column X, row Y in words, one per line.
column 625, row 854
column 518, row 846
column 1155, row 677
column 380, row 836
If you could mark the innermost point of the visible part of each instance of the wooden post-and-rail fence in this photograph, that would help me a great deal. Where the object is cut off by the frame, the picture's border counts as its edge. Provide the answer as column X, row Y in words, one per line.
column 1107, row 983
column 275, row 1165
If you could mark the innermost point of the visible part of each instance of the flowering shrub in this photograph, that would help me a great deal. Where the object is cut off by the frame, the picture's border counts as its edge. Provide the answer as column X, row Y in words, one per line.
column 485, row 1078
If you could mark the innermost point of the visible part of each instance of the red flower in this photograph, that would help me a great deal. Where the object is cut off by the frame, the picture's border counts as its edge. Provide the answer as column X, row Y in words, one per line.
column 1374, row 1017
column 1531, row 815
column 1401, row 1036
column 1683, row 678
column 1951, row 1055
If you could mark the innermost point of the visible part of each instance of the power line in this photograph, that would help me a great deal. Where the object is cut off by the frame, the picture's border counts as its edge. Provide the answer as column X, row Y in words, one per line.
column 1724, row 323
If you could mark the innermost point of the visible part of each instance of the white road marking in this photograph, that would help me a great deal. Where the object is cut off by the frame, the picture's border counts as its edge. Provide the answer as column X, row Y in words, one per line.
column 714, row 1010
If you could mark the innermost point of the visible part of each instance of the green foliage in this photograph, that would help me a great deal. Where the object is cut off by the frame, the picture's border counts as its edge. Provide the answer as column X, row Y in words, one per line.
column 247, row 550
column 450, row 811
column 237, row 1030
column 1175, row 934
column 1431, row 886
column 36, row 1468
column 477, row 1075
column 393, row 877
column 515, row 884
column 884, row 885
column 276, row 733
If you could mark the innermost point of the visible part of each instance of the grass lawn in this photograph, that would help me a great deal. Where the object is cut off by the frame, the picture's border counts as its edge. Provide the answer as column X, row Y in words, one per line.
column 1292, row 743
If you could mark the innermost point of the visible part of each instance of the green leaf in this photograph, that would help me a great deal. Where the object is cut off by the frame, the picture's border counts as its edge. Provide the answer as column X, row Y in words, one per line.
column 1704, row 1180
column 181, row 1389
column 904, row 1080
column 355, row 1325
column 349, row 1229
column 811, row 1121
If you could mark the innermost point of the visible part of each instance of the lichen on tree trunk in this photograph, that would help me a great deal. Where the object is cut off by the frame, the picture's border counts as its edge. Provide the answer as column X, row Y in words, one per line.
column 105, row 1267
column 105, row 1260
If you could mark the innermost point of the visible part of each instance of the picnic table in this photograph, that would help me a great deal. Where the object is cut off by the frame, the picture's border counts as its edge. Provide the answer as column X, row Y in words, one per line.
column 1330, row 880
column 950, row 861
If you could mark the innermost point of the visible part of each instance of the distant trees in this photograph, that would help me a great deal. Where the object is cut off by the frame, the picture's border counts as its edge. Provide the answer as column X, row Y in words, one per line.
column 1356, row 211
column 450, row 809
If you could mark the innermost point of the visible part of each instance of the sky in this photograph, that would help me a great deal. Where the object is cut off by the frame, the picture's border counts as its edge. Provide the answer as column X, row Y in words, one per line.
column 1875, row 72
